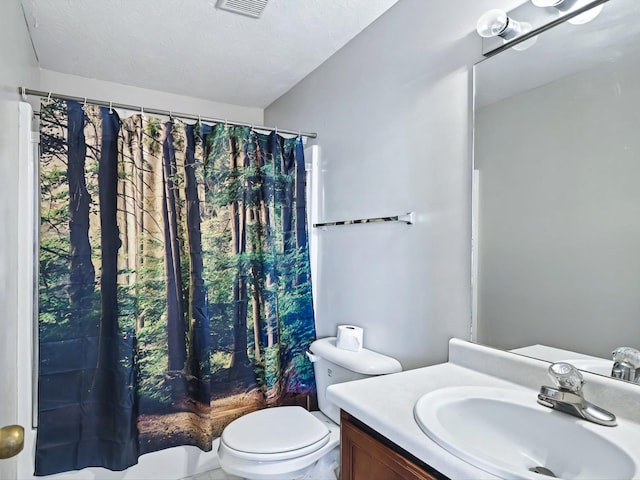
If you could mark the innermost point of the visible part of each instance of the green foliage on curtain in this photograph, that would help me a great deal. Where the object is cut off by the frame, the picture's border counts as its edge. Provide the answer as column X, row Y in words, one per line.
column 174, row 275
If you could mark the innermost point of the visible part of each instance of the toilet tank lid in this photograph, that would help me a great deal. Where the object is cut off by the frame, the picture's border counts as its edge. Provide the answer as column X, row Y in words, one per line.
column 365, row 361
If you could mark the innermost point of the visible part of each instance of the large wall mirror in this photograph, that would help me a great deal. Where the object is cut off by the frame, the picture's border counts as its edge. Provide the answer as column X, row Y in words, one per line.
column 557, row 156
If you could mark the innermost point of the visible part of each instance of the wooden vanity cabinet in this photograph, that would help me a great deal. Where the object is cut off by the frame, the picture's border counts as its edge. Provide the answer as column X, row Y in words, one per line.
column 367, row 455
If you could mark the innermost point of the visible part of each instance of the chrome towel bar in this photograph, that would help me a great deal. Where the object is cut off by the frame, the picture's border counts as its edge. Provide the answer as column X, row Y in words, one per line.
column 408, row 218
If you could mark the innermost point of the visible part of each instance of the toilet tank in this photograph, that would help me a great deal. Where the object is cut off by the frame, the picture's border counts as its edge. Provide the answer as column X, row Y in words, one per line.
column 333, row 365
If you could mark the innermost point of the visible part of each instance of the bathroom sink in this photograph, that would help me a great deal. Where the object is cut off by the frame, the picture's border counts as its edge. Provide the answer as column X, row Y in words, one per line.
column 506, row 433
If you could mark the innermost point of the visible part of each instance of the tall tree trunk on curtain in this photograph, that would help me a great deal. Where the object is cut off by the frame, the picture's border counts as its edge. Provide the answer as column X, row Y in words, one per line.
column 300, row 209
column 82, row 272
column 110, row 239
column 266, row 158
column 114, row 379
column 173, row 270
column 131, row 197
column 197, row 363
column 240, row 363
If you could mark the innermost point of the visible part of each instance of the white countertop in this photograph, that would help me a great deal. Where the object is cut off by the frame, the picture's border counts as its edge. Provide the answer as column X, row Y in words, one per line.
column 385, row 403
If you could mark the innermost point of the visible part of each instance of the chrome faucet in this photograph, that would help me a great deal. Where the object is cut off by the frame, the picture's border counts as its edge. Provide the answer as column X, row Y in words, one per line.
column 567, row 397
column 626, row 364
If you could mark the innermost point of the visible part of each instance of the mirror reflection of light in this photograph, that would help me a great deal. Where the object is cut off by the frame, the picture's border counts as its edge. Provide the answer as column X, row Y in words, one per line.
column 587, row 16
column 566, row 6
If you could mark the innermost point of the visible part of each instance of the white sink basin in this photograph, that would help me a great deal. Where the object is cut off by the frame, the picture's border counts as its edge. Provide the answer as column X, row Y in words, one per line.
column 506, row 433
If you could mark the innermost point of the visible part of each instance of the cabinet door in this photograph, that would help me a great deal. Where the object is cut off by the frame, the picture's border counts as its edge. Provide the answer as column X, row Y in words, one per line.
column 364, row 457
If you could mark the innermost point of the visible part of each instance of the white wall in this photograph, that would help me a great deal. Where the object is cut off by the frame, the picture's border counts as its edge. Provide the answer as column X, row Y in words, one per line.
column 393, row 114
column 559, row 257
column 76, row 86
column 17, row 66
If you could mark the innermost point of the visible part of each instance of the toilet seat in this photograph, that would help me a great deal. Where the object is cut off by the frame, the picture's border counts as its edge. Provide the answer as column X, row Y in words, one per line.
column 293, row 468
column 275, row 434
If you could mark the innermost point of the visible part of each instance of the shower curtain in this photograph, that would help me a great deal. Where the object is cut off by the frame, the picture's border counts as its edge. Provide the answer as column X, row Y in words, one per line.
column 174, row 286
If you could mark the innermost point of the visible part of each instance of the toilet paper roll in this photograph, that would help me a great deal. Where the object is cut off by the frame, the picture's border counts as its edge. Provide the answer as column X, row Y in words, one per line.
column 349, row 338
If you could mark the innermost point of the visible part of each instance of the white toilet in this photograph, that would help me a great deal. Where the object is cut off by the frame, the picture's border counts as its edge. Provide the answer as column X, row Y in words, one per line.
column 290, row 443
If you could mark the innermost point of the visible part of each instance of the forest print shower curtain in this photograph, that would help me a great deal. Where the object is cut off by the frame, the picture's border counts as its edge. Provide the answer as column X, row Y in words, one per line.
column 174, row 285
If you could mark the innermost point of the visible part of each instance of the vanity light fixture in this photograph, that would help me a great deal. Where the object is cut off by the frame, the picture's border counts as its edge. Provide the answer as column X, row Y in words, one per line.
column 565, row 6
column 496, row 23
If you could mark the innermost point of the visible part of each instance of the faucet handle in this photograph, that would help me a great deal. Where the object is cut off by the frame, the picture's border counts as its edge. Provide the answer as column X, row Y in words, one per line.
column 627, row 355
column 626, row 364
column 566, row 377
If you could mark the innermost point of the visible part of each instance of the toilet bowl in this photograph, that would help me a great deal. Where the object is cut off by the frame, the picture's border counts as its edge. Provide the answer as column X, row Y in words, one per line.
column 278, row 443
column 290, row 443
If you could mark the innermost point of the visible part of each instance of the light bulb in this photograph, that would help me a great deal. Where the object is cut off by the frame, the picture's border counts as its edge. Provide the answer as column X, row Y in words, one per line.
column 565, row 6
column 492, row 24
column 496, row 23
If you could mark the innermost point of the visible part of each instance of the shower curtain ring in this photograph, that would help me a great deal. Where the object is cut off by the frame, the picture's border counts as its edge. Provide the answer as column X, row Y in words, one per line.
column 110, row 107
column 49, row 97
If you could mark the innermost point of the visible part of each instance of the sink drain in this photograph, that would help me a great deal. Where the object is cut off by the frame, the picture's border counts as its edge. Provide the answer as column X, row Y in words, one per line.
column 542, row 471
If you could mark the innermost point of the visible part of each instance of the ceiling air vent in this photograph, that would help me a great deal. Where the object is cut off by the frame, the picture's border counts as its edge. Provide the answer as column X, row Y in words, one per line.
column 250, row 8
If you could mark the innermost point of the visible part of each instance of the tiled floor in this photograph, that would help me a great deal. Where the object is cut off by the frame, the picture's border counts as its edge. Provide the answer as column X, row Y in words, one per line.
column 326, row 468
column 217, row 474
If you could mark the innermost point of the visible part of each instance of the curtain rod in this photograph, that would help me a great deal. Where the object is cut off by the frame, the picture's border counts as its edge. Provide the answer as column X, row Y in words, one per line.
column 168, row 113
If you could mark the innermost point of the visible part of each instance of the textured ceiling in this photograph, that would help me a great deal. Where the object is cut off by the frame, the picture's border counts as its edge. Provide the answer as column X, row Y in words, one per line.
column 191, row 48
